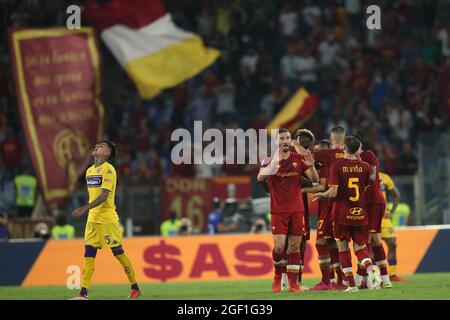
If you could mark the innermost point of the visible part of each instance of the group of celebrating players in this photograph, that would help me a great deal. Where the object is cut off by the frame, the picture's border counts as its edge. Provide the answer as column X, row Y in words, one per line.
column 345, row 180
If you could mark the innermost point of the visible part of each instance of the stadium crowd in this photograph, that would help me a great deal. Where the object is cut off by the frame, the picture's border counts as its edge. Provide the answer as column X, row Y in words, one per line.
column 389, row 85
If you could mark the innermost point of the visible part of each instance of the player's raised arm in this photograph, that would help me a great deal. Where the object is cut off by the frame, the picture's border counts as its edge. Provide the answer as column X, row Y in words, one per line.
column 98, row 201
column 334, row 183
column 269, row 168
column 298, row 147
column 311, row 173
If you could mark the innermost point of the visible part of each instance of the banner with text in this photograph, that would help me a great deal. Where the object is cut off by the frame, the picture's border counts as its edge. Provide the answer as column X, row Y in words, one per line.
column 192, row 198
column 204, row 258
column 57, row 80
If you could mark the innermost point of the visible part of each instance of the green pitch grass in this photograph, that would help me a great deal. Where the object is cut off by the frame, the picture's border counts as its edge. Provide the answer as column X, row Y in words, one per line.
column 432, row 286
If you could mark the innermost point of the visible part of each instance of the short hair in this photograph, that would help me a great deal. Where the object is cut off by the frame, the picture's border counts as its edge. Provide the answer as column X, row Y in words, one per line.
column 305, row 137
column 304, row 133
column 283, row 130
column 324, row 143
column 112, row 148
column 338, row 130
column 352, row 144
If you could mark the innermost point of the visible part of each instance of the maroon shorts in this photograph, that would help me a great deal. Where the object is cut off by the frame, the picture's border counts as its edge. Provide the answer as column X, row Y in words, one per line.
column 359, row 234
column 292, row 223
column 324, row 224
column 375, row 213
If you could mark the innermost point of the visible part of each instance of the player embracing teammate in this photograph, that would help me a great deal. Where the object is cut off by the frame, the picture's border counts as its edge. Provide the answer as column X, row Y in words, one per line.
column 348, row 179
column 376, row 208
column 283, row 174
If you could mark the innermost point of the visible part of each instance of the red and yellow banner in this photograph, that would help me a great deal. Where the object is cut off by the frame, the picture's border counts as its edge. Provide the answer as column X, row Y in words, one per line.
column 198, row 258
column 57, row 80
column 296, row 111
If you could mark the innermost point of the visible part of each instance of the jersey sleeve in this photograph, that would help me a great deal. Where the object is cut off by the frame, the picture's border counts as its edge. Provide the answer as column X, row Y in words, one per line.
column 367, row 176
column 304, row 167
column 109, row 179
column 370, row 158
column 333, row 176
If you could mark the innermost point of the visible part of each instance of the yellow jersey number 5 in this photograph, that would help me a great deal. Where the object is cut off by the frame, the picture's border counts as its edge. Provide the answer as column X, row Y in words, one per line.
column 353, row 184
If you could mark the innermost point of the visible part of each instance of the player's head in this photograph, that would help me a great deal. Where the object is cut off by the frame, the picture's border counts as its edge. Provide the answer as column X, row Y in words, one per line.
column 337, row 135
column 361, row 145
column 105, row 149
column 351, row 145
column 284, row 139
column 322, row 145
column 305, row 137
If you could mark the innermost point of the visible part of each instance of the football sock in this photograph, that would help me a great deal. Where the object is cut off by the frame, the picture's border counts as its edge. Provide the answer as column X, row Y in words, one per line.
column 361, row 271
column 293, row 268
column 127, row 267
column 334, row 255
column 392, row 266
column 364, row 258
column 324, row 262
column 277, row 262
column 88, row 269
column 380, row 258
column 346, row 263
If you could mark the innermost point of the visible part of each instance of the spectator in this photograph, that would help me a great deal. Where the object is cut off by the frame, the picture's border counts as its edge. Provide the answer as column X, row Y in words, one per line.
column 329, row 50
column 185, row 227
column 41, row 231
column 288, row 20
column 3, row 223
column 250, row 60
column 214, row 217
column 11, row 151
column 171, row 227
column 408, row 163
column 260, row 226
column 443, row 37
column 62, row 230
column 305, row 67
column 26, row 185
column 226, row 98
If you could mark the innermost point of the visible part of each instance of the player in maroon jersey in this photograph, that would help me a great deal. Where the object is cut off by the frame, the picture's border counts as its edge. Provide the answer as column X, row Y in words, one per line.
column 348, row 180
column 325, row 157
column 376, row 207
column 305, row 138
column 283, row 173
column 324, row 226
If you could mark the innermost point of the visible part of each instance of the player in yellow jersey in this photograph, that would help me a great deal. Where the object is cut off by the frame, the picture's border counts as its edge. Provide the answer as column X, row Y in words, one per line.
column 103, row 227
column 387, row 230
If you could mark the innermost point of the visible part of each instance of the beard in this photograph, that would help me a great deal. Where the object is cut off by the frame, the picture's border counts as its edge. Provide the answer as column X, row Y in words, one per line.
column 286, row 147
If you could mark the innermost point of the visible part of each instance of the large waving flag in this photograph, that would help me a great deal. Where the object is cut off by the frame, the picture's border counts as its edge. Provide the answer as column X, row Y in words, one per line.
column 155, row 53
column 296, row 111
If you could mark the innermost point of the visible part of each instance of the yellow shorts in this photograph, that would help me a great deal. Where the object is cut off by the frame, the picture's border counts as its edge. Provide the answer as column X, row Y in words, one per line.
column 101, row 235
column 387, row 230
